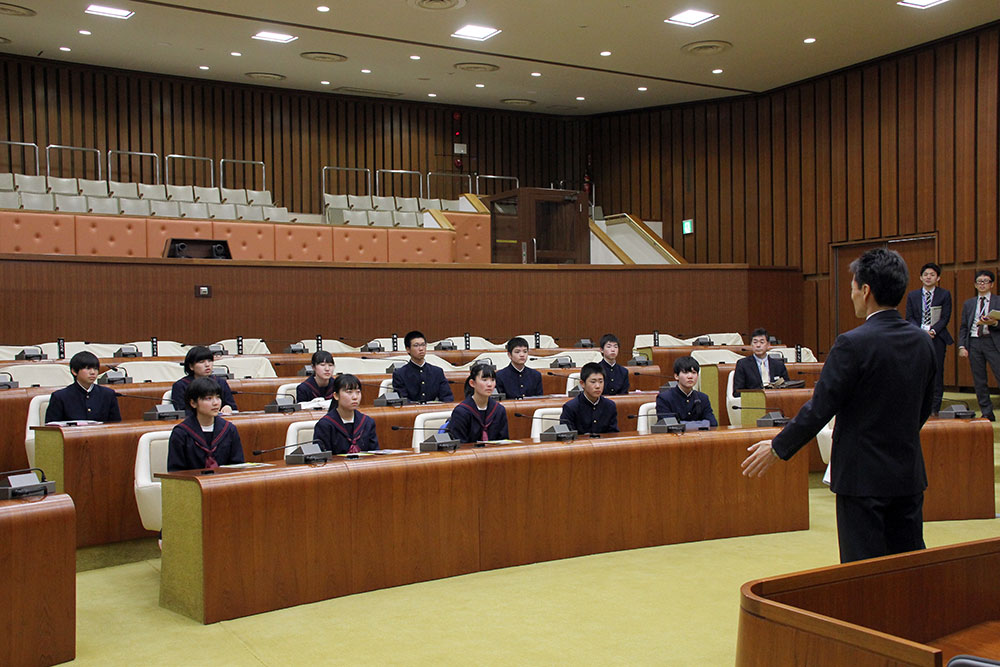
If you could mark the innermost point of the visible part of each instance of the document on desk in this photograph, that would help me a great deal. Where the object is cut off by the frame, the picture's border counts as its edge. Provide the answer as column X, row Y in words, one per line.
column 389, row 452
column 248, row 464
column 75, row 422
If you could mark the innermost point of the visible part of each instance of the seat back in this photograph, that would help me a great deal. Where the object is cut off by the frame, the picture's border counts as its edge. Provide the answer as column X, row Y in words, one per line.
column 207, row 195
column 733, row 403
column 180, row 193
column 384, row 203
column 40, row 375
column 299, row 432
column 93, row 188
column 6, row 181
column 407, row 204
column 147, row 191
column 245, row 212
column 718, row 338
column 153, row 371
column 542, row 419
column 426, row 423
column 276, row 214
column 192, row 210
column 380, row 218
column 71, row 204
column 428, row 204
column 63, row 186
column 138, row 207
column 150, row 458
column 10, row 200
column 222, row 211
column 248, row 367
column 36, row 417
column 102, row 205
column 335, row 201
column 37, row 202
column 165, row 209
column 26, row 183
column 233, row 196
column 250, row 345
column 287, row 389
column 406, row 219
column 384, row 386
column 259, row 198
column 360, row 202
column 704, row 357
column 128, row 190
column 646, row 417
column 572, row 381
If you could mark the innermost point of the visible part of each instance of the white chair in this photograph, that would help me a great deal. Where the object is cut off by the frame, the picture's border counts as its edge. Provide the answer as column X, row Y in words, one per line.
column 299, row 432
column 165, row 348
column 408, row 204
column 331, row 345
column 542, row 419
column 544, row 340
column 646, row 417
column 36, row 417
column 718, row 338
column 384, row 386
column 384, row 203
column 63, row 186
column 165, row 399
column 37, row 202
column 825, row 440
column 127, row 190
column 93, row 188
column 355, row 218
column 259, row 198
column 6, row 182
column 40, row 375
column 148, row 191
column 197, row 211
column 71, row 204
column 572, row 381
column 10, row 200
column 429, row 204
column 207, row 195
column 150, row 458
column 250, row 345
column 233, row 196
column 276, row 214
column 100, row 350
column 708, row 357
column 180, row 193
column 103, row 205
column 252, row 213
column 789, row 353
column 138, row 207
column 164, row 209
column 405, row 219
column 248, row 367
column 733, row 403
column 153, row 371
column 335, row 201
column 425, row 425
column 26, row 183
column 360, row 202
column 222, row 211
column 287, row 389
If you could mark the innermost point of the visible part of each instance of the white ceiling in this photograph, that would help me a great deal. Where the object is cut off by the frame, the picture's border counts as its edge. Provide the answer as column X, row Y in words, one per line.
column 559, row 38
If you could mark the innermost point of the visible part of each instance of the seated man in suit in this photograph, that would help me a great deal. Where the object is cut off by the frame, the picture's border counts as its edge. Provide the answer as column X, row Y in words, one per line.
column 417, row 380
column 589, row 411
column 920, row 310
column 682, row 401
column 84, row 399
column 615, row 376
column 517, row 380
column 757, row 370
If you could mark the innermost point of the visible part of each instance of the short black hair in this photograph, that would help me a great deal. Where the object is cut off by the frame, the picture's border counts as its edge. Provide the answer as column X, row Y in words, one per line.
column 83, row 360
column 931, row 265
column 686, row 364
column 589, row 369
column 196, row 354
column 321, row 357
column 609, row 338
column 988, row 274
column 759, row 331
column 408, row 339
column 516, row 342
column 485, row 370
column 202, row 388
column 885, row 273
column 345, row 381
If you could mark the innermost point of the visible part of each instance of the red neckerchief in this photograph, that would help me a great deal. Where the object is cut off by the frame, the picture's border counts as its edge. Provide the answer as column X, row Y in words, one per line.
column 209, row 449
column 479, row 417
column 353, row 449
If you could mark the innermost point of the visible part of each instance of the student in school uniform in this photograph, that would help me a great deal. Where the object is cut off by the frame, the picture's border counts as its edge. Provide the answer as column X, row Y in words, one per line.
column 320, row 383
column 517, row 380
column 683, row 401
column 418, row 380
column 480, row 416
column 345, row 430
column 198, row 363
column 615, row 375
column 203, row 439
column 84, row 399
column 589, row 411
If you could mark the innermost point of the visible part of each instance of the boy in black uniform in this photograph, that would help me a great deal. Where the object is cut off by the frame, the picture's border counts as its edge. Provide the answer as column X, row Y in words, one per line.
column 84, row 399
column 682, row 401
column 615, row 376
column 517, row 380
column 589, row 411
column 204, row 439
column 417, row 380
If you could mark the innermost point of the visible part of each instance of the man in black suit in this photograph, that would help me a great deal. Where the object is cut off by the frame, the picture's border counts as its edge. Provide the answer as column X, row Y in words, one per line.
column 920, row 305
column 878, row 380
column 979, row 339
column 751, row 371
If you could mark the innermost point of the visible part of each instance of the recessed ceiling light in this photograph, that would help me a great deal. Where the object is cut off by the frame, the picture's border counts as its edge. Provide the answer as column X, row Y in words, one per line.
column 605, row 53
column 64, row 48
column 414, row 57
column 809, row 40
column 110, row 12
column 84, row 32
column 536, row 74
column 432, row 94
column 480, row 33
column 691, row 18
column 642, row 89
column 325, row 83
column 580, row 98
column 322, row 8
column 202, row 66
column 480, row 85
column 279, row 37
column 235, row 53
column 716, row 71
column 920, row 4
column 366, row 71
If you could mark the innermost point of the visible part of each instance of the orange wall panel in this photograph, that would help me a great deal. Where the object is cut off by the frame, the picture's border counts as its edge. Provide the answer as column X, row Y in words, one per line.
column 472, row 237
column 358, row 244
column 303, row 243
column 121, row 236
column 41, row 233
column 247, row 240
column 158, row 230
column 422, row 245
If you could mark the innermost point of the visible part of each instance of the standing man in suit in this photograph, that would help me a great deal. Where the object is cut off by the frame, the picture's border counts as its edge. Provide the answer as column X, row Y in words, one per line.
column 878, row 380
column 919, row 310
column 758, row 369
column 979, row 339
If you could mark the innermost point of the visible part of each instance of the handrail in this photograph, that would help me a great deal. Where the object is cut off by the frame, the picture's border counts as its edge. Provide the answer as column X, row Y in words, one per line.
column 517, row 182
column 263, row 170
column 178, row 156
column 447, row 174
column 366, row 170
column 418, row 174
column 38, row 170
column 156, row 162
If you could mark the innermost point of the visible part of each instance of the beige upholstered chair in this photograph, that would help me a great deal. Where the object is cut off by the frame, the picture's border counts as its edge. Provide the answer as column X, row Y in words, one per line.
column 36, row 417
column 42, row 375
column 425, row 424
column 646, row 417
column 542, row 419
column 299, row 432
column 150, row 458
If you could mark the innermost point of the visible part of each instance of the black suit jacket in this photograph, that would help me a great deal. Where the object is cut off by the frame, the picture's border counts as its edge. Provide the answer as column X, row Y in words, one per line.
column 915, row 310
column 879, row 381
column 969, row 309
column 748, row 377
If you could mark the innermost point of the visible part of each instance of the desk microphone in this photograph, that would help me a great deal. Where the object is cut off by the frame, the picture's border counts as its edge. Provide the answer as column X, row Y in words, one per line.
column 774, row 418
column 8, row 384
column 557, row 432
column 22, row 483
column 281, row 404
column 665, row 424
column 433, row 443
column 670, row 381
column 390, row 398
column 159, row 412
column 258, row 452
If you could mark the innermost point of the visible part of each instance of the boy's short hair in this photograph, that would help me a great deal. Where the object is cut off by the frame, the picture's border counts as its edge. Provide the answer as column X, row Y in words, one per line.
column 609, row 338
column 408, row 339
column 589, row 369
column 194, row 355
column 516, row 342
column 83, row 360
column 686, row 364
column 759, row 331
column 885, row 273
column 931, row 265
column 344, row 381
column 202, row 388
column 988, row 274
column 321, row 357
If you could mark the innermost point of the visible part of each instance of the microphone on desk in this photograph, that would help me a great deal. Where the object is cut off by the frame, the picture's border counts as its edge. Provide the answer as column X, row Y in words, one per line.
column 8, row 384
column 773, row 418
column 574, row 391
column 667, row 424
column 390, row 398
column 281, row 404
column 159, row 412
column 258, row 452
column 557, row 432
column 22, row 483
column 435, row 442
column 303, row 452
column 670, row 381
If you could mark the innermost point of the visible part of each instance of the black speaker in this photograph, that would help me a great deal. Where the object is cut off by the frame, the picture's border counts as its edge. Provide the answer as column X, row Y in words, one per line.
column 197, row 249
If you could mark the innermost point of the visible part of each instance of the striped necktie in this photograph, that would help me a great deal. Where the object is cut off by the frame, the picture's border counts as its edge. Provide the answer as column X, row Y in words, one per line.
column 927, row 309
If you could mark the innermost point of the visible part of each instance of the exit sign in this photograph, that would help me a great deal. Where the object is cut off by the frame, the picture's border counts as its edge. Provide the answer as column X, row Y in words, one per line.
column 687, row 226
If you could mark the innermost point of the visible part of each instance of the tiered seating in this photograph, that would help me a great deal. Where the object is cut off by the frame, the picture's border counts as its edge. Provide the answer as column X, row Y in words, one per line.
column 365, row 211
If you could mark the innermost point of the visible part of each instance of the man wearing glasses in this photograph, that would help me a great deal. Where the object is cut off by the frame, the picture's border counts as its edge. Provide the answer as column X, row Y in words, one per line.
column 979, row 339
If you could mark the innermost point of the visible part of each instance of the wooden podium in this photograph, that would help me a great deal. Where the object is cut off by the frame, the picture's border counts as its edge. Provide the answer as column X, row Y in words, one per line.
column 540, row 226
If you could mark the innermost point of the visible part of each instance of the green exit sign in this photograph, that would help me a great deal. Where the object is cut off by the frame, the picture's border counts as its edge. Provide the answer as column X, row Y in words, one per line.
column 687, row 226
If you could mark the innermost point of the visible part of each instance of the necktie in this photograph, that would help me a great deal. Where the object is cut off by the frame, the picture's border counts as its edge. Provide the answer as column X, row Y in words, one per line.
column 927, row 309
column 982, row 313
column 763, row 371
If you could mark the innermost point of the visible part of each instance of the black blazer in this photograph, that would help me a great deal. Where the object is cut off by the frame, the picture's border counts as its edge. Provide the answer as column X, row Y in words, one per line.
column 915, row 309
column 748, row 377
column 878, row 380
column 969, row 318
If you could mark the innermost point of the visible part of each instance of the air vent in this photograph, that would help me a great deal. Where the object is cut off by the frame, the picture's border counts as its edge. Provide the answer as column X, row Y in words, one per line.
column 323, row 56
column 706, row 48
column 367, row 92
column 436, row 5
column 477, row 67
column 515, row 102
column 265, row 76
column 7, row 9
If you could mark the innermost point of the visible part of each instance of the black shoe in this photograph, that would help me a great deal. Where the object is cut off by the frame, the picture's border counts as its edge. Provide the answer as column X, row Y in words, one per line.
column 990, row 417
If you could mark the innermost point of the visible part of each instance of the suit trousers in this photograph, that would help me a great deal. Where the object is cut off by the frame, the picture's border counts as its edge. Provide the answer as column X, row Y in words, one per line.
column 984, row 351
column 869, row 526
column 939, row 351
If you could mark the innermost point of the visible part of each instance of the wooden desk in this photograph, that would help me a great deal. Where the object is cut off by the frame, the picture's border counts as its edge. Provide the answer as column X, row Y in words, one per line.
column 920, row 608
column 38, row 585
column 715, row 378
column 417, row 517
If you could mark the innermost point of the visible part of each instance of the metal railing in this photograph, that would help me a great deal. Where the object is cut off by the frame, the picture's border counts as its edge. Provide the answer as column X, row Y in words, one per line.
column 263, row 170
column 156, row 161
column 26, row 144
column 420, row 181
column 447, row 174
column 177, row 156
column 517, row 182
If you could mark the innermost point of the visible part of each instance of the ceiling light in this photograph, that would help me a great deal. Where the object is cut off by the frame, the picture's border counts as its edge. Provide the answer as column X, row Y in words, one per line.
column 536, row 74
column 717, row 71
column 691, row 18
column 480, row 85
column 64, row 48
column 580, row 99
column 325, row 83
column 920, row 4
column 84, row 32
column 432, row 94
column 414, row 57
column 642, row 89
column 279, row 37
column 366, row 71
column 479, row 33
column 809, row 40
column 110, row 12
column 203, row 67
column 605, row 53
column 235, row 53
column 322, row 8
